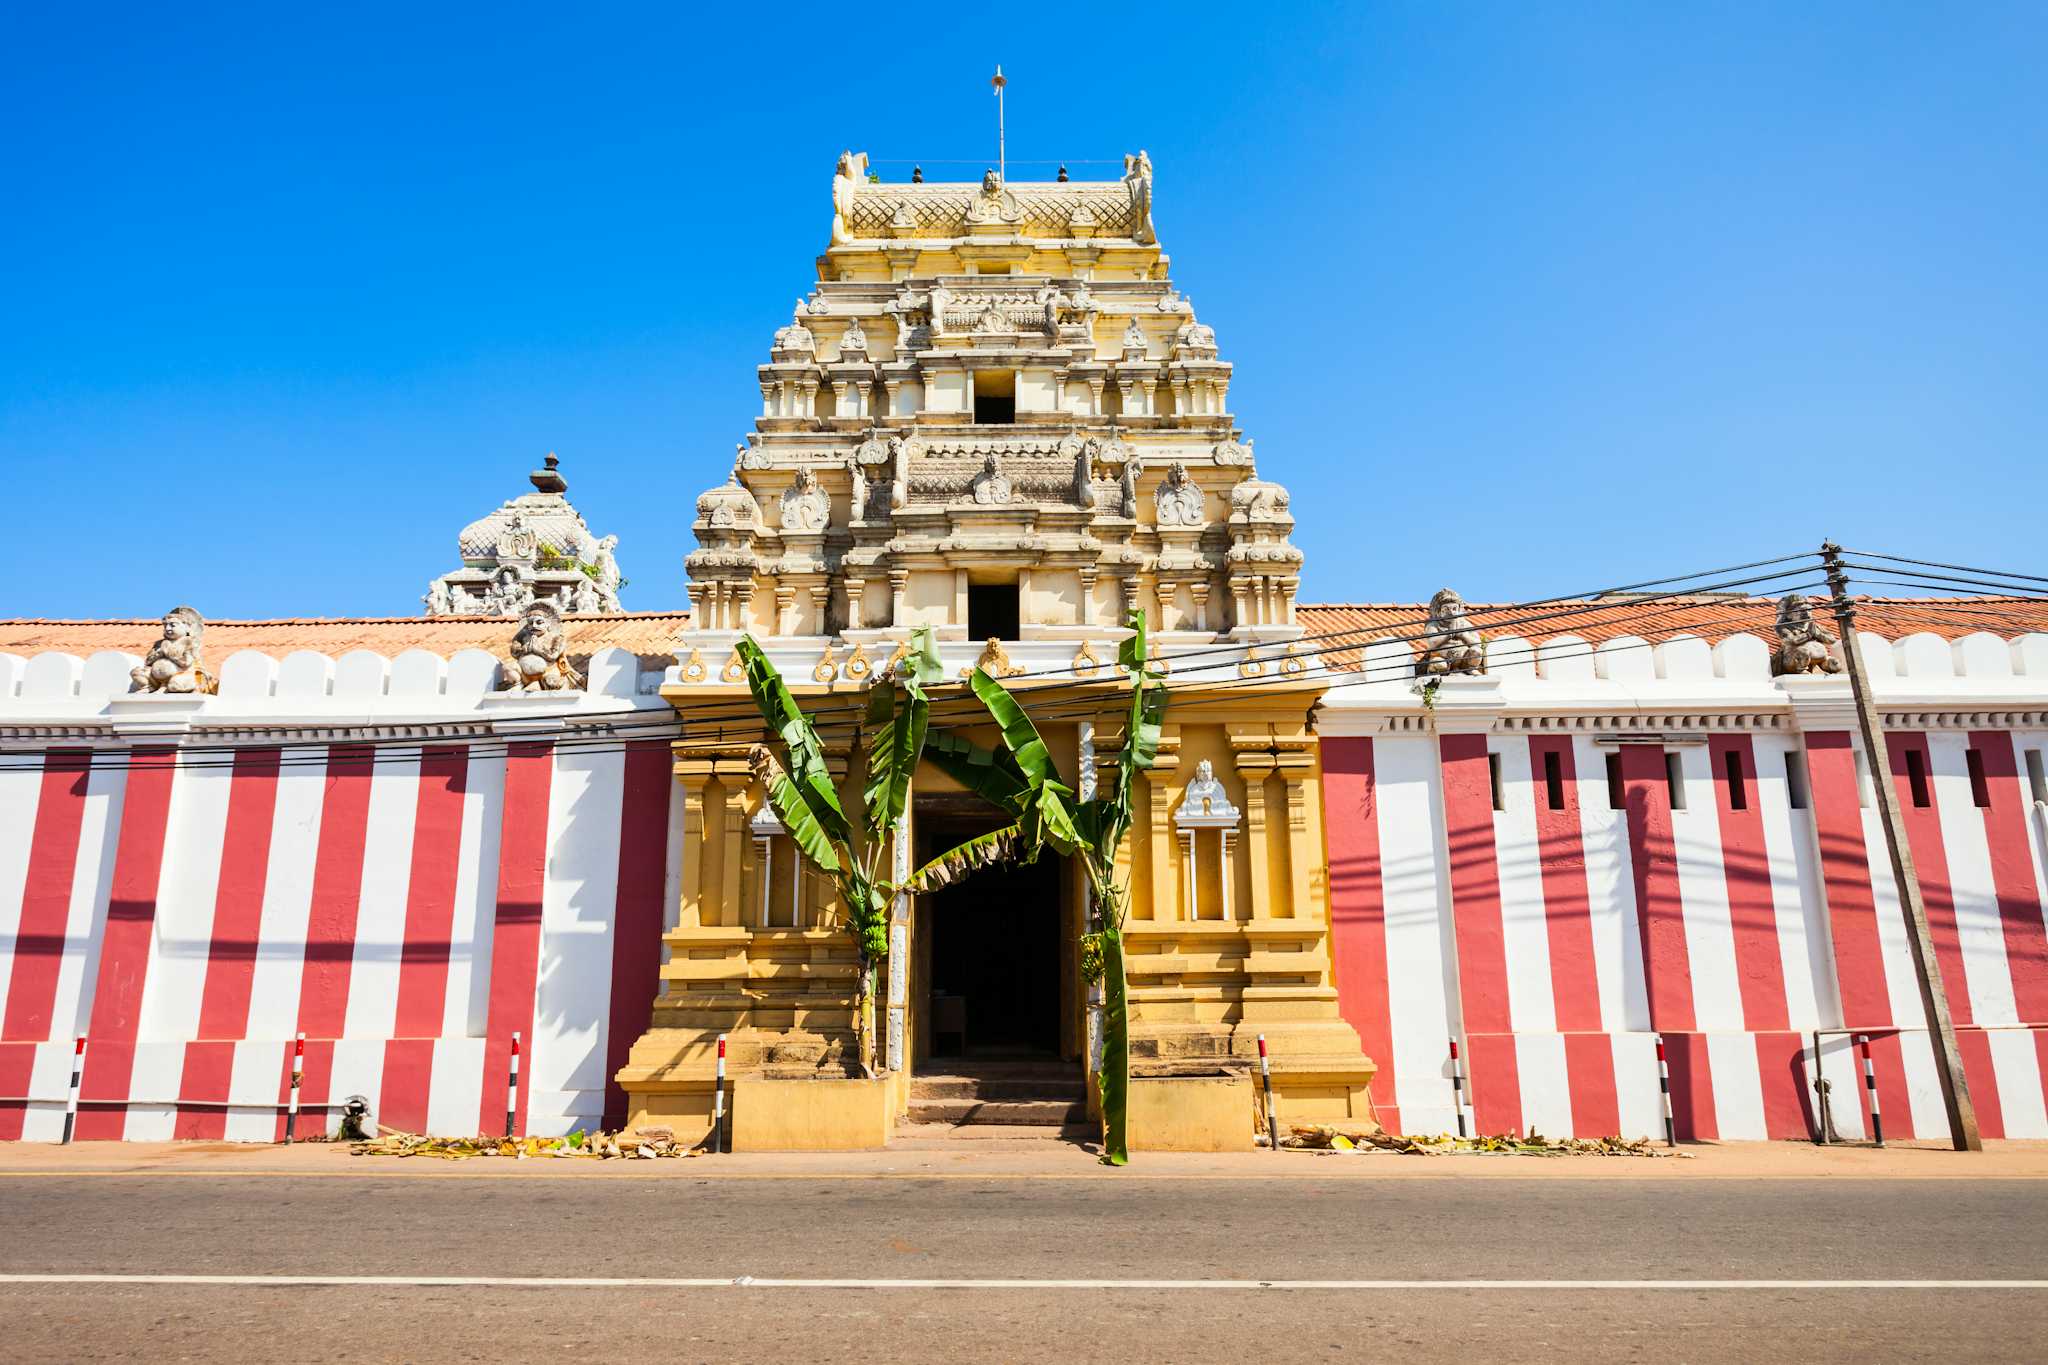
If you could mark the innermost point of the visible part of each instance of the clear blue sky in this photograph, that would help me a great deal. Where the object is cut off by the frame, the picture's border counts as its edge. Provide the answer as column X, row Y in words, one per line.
column 1524, row 298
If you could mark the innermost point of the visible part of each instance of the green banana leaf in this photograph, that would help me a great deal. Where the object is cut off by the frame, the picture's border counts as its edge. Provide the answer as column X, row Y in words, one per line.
column 807, row 771
column 991, row 774
column 896, row 734
column 1020, row 736
column 796, row 814
column 959, row 863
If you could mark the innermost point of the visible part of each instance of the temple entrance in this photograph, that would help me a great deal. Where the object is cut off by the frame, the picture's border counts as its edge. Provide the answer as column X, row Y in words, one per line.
column 992, row 970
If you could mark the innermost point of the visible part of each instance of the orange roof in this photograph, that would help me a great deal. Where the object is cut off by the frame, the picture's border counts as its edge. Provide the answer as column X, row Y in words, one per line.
column 1350, row 626
column 644, row 633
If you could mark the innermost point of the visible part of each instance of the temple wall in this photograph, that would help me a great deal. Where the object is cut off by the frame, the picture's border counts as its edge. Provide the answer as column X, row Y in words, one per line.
column 1559, row 941
column 382, row 855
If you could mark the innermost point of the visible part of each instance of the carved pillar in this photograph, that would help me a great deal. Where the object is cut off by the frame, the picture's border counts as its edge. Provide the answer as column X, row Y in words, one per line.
column 1159, row 858
column 1254, row 766
column 733, row 775
column 693, row 774
column 1198, row 592
column 899, row 587
column 785, row 599
column 1297, row 769
column 1159, row 783
column 1088, row 575
column 856, row 588
column 741, row 610
column 819, row 593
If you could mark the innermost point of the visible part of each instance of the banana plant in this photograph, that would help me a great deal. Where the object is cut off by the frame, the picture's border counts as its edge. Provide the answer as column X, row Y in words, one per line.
column 1021, row 779
column 799, row 786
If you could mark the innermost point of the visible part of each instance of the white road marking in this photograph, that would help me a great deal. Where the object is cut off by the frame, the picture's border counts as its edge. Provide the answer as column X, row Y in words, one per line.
column 759, row 1282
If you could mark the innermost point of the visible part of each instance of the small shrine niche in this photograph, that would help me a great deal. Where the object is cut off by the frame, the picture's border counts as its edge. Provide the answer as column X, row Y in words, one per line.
column 1205, row 807
column 766, row 829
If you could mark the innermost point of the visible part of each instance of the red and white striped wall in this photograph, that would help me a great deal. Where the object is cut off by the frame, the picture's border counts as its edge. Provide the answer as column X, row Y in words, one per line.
column 190, row 904
column 1560, row 929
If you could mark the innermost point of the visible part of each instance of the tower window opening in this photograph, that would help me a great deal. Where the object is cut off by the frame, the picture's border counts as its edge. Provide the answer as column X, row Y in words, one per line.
column 1617, row 790
column 1500, row 800
column 1674, row 780
column 992, row 611
column 1916, row 777
column 2037, row 776
column 1980, row 786
column 1738, row 785
column 1795, row 779
column 995, row 397
column 1553, row 779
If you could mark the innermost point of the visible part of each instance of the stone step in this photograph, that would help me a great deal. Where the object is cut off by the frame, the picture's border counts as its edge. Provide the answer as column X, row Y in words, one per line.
column 930, row 1135
column 997, row 1112
column 1061, row 1086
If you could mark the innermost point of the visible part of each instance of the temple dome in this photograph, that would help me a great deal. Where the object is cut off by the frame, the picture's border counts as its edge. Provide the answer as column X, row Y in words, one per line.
column 535, row 547
column 729, row 504
column 556, row 525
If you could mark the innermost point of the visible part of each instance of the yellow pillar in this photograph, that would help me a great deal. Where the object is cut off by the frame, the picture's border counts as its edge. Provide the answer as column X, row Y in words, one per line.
column 693, row 774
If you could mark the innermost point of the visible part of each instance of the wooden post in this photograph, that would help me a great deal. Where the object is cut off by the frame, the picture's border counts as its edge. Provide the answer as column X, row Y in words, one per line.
column 1948, row 1063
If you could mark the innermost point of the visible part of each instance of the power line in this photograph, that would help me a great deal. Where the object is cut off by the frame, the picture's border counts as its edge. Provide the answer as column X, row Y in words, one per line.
column 1959, row 568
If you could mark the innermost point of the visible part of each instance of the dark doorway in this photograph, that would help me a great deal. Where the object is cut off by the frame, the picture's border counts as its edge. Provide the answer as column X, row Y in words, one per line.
column 992, row 612
column 995, row 955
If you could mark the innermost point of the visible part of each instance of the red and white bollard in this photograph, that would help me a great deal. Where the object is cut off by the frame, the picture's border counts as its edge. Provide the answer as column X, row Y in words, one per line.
column 291, row 1113
column 1870, row 1088
column 71, row 1100
column 718, row 1102
column 1457, row 1089
column 1664, row 1093
column 1266, row 1081
column 512, row 1093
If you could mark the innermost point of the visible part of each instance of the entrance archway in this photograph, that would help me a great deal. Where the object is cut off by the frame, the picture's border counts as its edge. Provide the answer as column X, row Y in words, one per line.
column 990, row 954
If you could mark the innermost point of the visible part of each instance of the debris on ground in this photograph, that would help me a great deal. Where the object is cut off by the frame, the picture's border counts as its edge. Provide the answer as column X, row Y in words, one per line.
column 644, row 1143
column 1338, row 1138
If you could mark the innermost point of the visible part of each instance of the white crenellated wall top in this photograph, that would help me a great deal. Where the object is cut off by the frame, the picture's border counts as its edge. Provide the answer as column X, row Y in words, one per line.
column 1566, row 673
column 358, row 688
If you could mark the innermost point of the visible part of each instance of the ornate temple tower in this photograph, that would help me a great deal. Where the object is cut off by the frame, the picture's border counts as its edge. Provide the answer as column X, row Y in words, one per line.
column 994, row 387
column 996, row 416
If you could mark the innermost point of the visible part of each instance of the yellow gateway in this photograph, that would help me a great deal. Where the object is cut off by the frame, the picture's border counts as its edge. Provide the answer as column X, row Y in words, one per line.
column 995, row 416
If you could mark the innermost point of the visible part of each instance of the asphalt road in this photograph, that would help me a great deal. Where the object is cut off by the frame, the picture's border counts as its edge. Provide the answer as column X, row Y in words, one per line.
column 1191, row 1233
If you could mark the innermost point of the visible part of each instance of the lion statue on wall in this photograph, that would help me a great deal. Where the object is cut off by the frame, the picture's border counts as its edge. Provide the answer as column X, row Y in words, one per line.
column 539, row 658
column 1452, row 644
column 1803, row 643
column 173, row 663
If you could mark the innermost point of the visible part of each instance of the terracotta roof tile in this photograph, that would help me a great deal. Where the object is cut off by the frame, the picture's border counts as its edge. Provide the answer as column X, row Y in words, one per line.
column 1349, row 626
column 644, row 633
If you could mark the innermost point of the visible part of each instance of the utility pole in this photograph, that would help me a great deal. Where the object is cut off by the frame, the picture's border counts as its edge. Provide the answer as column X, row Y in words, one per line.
column 1948, row 1063
column 1002, row 163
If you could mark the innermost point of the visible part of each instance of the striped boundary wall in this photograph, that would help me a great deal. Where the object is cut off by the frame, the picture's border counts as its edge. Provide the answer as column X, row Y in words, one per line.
column 406, row 909
column 1561, row 943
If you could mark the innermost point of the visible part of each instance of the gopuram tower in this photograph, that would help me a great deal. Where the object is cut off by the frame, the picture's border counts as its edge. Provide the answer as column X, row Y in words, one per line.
column 995, row 415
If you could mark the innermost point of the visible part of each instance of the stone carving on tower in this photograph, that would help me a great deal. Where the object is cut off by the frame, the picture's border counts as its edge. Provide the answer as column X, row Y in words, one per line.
column 1452, row 644
column 1804, row 645
column 174, row 663
column 535, row 548
column 994, row 382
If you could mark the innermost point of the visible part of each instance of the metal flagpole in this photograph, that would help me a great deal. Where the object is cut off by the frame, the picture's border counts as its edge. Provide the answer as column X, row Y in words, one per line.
column 1948, row 1063
column 1002, row 163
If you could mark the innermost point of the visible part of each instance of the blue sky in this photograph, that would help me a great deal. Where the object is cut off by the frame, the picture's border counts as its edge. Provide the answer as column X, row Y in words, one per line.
column 1527, row 299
